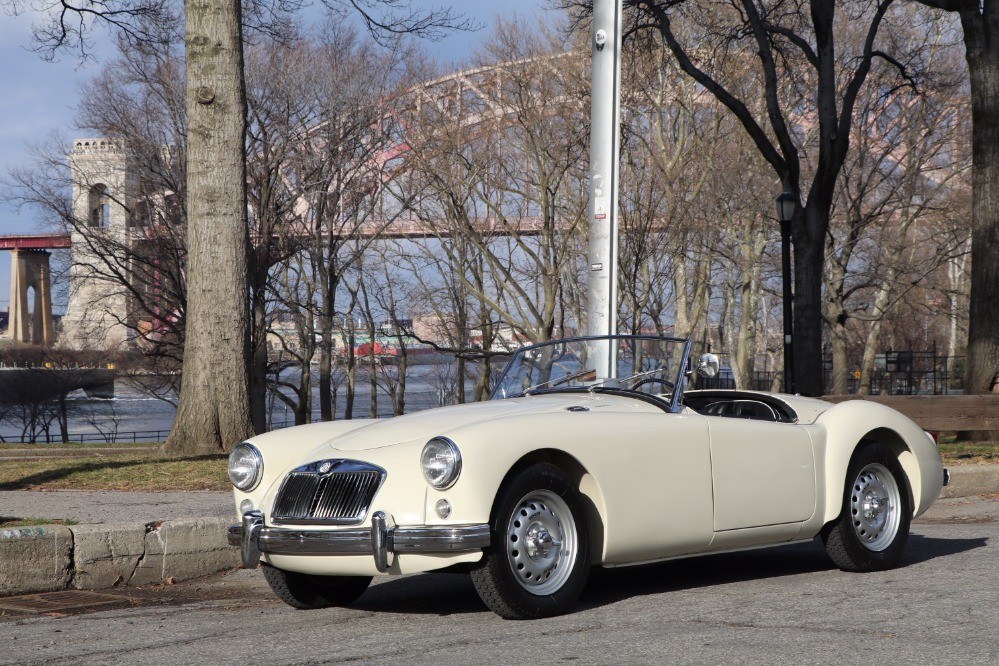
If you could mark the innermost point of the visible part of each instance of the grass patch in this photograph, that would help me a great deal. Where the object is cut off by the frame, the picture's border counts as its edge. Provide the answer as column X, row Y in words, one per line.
column 6, row 521
column 965, row 452
column 125, row 471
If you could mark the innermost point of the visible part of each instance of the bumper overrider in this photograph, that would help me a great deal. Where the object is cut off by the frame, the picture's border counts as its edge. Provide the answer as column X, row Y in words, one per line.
column 382, row 540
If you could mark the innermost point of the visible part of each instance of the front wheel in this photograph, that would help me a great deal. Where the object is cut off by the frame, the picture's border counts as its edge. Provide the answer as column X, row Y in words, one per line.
column 539, row 559
column 307, row 592
column 872, row 529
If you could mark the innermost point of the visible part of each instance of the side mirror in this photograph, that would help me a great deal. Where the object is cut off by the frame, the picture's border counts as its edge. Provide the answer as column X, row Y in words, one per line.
column 707, row 365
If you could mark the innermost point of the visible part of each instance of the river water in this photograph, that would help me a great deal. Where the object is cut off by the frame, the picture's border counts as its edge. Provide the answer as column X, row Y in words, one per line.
column 132, row 415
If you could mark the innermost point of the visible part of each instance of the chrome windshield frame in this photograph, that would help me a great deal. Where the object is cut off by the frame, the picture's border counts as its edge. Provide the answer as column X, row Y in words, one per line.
column 680, row 377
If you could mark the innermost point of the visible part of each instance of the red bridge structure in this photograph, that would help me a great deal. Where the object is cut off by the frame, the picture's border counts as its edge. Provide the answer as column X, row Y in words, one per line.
column 29, row 269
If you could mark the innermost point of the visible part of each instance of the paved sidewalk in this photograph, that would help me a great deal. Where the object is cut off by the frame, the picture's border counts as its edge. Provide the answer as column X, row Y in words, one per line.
column 115, row 507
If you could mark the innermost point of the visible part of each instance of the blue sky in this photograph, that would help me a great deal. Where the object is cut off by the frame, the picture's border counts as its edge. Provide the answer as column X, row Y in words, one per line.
column 39, row 97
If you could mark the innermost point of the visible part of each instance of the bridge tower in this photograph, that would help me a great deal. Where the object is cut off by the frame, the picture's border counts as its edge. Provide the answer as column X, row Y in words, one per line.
column 30, row 270
column 103, row 189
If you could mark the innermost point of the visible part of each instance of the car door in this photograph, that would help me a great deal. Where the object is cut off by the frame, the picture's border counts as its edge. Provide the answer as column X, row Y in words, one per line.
column 654, row 476
column 762, row 473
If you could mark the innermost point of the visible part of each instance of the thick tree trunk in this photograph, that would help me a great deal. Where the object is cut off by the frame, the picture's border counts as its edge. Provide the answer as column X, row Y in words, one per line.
column 809, row 254
column 980, row 38
column 214, row 409
column 982, row 41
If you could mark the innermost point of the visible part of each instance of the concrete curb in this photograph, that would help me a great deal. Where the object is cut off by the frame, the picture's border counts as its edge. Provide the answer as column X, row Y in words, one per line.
column 94, row 557
column 968, row 480
column 35, row 559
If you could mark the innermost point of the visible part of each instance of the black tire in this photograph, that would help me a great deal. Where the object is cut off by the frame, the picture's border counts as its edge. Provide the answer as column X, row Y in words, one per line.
column 307, row 592
column 872, row 530
column 539, row 559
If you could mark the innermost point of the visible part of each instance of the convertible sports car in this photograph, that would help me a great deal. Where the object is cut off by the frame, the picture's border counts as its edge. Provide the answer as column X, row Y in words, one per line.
column 591, row 452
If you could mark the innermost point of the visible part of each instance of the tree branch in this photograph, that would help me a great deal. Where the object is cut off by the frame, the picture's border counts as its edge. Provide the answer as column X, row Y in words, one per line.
column 389, row 19
column 951, row 5
column 756, row 133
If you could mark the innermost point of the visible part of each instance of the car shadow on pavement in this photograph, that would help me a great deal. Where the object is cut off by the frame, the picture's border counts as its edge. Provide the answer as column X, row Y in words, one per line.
column 452, row 594
column 607, row 586
column 922, row 549
column 430, row 593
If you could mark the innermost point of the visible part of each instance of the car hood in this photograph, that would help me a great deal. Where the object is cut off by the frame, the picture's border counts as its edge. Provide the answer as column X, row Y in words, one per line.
column 440, row 421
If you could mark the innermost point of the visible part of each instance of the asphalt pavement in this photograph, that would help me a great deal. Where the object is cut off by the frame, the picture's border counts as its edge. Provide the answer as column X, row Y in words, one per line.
column 784, row 605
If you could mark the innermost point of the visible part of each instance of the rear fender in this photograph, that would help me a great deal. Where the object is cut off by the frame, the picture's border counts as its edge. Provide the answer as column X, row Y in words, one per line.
column 851, row 424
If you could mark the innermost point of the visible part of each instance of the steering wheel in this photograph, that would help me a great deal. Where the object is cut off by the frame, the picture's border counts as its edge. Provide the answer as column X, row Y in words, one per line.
column 668, row 386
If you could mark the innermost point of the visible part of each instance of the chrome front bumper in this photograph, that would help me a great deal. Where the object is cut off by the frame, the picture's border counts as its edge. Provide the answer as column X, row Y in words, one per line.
column 382, row 540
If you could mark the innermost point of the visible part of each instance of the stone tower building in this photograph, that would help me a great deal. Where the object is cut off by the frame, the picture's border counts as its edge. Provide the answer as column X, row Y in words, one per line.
column 104, row 189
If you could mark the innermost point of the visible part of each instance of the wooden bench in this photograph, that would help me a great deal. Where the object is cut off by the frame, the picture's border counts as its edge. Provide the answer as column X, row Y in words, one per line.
column 939, row 412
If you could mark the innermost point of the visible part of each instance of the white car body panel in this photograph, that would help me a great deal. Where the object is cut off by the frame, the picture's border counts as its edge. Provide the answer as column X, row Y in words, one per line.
column 762, row 473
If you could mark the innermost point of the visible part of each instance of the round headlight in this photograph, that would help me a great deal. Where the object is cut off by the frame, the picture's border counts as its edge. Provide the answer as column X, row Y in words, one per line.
column 246, row 466
column 441, row 463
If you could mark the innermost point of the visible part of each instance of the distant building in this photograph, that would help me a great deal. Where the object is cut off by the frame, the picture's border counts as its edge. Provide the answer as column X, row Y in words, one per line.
column 103, row 191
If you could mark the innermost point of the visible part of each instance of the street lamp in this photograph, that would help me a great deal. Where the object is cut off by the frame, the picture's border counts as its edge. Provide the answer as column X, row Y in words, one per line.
column 786, row 205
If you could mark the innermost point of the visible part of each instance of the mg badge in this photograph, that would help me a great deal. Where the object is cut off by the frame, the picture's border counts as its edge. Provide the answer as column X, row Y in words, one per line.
column 325, row 467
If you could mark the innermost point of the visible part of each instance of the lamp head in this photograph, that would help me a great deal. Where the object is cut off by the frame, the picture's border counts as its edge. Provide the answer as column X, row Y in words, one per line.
column 786, row 205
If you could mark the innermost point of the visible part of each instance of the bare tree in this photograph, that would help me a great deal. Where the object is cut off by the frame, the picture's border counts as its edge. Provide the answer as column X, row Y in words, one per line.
column 504, row 176
column 807, row 73
column 214, row 408
column 883, row 241
column 980, row 23
column 345, row 163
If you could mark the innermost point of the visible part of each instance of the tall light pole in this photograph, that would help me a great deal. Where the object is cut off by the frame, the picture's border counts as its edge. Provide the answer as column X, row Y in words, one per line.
column 605, row 92
column 786, row 205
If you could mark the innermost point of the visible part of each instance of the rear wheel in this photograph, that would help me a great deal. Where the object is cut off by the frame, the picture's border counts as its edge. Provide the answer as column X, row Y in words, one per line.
column 539, row 559
column 873, row 527
column 306, row 591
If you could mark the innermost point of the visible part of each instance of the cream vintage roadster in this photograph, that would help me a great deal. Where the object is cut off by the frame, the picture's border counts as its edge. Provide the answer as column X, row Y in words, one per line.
column 566, row 468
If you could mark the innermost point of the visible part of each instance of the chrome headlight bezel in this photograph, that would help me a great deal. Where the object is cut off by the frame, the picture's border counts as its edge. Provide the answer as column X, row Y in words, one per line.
column 440, row 461
column 245, row 456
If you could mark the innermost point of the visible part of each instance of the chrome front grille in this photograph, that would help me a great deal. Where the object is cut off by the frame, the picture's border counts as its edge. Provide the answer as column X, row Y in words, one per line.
column 328, row 492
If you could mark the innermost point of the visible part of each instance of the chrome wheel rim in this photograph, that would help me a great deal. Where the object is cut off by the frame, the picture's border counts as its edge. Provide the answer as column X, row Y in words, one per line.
column 875, row 506
column 541, row 542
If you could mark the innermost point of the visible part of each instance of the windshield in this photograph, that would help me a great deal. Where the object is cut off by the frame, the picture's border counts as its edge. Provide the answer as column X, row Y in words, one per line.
column 648, row 364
